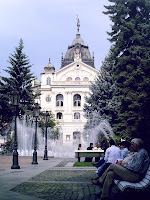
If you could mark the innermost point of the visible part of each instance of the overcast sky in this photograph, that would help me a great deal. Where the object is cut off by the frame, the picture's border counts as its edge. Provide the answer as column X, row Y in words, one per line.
column 47, row 27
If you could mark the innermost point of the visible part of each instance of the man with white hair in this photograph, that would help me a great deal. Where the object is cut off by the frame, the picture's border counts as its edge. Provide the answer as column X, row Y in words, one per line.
column 133, row 171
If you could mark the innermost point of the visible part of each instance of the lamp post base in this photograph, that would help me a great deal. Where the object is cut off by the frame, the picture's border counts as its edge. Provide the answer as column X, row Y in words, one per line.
column 45, row 158
column 15, row 167
column 34, row 158
column 45, row 155
column 15, row 161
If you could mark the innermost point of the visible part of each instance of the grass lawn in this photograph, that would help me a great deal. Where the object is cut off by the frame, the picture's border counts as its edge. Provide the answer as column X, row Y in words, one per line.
column 83, row 164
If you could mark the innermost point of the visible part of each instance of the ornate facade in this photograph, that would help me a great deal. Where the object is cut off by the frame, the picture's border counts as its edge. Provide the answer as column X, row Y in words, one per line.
column 63, row 91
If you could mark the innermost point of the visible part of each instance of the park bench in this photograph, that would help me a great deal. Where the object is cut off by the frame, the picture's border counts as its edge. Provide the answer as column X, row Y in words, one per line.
column 88, row 153
column 125, row 186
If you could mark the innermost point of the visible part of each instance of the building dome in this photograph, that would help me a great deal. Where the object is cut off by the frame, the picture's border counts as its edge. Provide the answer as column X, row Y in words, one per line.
column 78, row 40
column 37, row 82
column 49, row 68
column 77, row 49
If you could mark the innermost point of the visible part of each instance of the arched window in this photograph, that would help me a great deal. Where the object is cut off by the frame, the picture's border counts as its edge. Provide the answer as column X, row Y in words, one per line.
column 77, row 79
column 48, row 81
column 59, row 115
column 48, row 99
column 77, row 100
column 59, row 100
column 77, row 115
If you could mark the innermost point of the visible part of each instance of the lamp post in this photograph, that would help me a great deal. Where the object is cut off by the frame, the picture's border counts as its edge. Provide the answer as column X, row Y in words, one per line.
column 0, row 123
column 36, row 111
column 45, row 151
column 15, row 102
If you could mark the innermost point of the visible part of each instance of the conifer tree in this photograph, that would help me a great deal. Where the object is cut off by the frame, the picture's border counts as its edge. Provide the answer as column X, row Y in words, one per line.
column 130, row 36
column 100, row 99
column 19, row 79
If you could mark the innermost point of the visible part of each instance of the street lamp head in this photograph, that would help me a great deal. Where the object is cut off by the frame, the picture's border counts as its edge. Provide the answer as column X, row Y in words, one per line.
column 15, row 98
column 47, row 115
column 36, row 110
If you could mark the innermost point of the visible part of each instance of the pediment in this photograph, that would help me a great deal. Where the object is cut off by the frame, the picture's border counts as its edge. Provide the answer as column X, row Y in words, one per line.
column 76, row 70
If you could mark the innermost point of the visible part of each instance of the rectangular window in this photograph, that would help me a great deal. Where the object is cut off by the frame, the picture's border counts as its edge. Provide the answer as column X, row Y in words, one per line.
column 67, row 137
column 79, row 103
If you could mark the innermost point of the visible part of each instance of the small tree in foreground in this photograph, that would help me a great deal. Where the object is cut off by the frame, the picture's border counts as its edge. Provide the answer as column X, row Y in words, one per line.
column 20, row 78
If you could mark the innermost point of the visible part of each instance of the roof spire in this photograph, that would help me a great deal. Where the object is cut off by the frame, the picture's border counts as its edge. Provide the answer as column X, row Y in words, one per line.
column 78, row 24
column 49, row 61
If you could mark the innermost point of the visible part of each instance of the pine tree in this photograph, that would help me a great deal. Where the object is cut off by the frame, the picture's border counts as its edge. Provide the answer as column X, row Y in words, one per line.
column 101, row 100
column 20, row 79
column 130, row 36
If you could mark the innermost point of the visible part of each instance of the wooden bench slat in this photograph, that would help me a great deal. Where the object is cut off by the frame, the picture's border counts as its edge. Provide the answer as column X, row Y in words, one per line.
column 145, row 180
column 148, row 172
column 147, row 176
column 124, row 184
column 141, row 185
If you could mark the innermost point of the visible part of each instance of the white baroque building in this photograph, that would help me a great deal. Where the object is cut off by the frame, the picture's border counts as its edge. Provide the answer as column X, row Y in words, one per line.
column 63, row 91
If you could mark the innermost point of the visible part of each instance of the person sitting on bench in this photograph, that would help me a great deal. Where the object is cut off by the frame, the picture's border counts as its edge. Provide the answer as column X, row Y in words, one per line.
column 133, row 171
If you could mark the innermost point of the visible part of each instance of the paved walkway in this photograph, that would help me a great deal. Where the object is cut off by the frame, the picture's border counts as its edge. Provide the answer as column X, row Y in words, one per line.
column 53, row 179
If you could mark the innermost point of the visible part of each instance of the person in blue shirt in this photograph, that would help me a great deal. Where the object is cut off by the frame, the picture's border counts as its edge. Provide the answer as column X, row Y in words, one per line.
column 124, row 145
column 104, row 146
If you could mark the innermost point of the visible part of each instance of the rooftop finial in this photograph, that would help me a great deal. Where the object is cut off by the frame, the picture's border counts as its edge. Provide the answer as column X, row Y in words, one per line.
column 78, row 24
column 49, row 60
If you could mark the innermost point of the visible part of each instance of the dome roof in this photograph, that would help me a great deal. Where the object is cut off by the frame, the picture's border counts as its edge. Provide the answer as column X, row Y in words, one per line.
column 79, row 46
column 78, row 40
column 77, row 51
column 37, row 82
column 49, row 67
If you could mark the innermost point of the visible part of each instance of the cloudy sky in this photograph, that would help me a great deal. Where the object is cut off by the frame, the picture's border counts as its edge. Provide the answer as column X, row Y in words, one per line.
column 47, row 27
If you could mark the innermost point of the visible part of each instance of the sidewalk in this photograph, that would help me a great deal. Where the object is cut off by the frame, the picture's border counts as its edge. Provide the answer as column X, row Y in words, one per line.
column 52, row 179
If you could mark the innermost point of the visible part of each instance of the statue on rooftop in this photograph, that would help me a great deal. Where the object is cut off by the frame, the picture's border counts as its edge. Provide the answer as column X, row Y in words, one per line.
column 78, row 24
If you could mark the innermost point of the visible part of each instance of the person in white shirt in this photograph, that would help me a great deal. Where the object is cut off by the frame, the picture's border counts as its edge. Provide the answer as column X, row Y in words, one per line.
column 112, row 154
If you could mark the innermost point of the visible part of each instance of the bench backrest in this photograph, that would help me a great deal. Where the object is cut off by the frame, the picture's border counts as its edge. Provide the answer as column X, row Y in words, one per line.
column 142, row 185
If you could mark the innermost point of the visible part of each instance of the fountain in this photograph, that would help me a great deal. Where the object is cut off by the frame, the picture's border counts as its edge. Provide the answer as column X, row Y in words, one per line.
column 26, row 131
column 103, row 128
column 97, row 126
column 25, row 136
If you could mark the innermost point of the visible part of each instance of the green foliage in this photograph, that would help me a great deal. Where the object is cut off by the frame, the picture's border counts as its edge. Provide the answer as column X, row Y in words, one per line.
column 121, row 93
column 101, row 99
column 9, row 145
column 130, row 37
column 5, row 107
column 19, row 79
column 83, row 164
column 51, row 123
